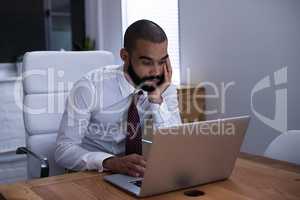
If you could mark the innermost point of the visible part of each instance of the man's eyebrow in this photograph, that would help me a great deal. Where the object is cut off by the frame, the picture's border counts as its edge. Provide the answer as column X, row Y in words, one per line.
column 165, row 57
column 145, row 57
column 148, row 58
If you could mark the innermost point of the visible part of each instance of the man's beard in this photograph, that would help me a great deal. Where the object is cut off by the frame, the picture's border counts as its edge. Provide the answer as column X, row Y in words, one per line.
column 140, row 82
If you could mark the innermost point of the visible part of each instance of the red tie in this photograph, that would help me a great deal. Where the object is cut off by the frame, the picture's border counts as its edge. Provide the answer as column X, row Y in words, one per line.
column 134, row 131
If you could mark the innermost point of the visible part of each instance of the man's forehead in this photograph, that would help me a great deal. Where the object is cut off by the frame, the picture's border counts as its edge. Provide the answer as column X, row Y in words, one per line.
column 147, row 49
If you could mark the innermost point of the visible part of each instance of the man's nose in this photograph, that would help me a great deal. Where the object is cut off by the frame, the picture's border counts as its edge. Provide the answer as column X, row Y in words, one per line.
column 155, row 70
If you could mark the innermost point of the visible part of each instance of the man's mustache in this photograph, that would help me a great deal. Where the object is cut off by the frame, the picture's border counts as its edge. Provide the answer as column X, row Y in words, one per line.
column 152, row 78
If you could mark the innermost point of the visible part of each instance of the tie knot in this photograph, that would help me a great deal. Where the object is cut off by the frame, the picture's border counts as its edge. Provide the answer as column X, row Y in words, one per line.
column 136, row 96
column 139, row 93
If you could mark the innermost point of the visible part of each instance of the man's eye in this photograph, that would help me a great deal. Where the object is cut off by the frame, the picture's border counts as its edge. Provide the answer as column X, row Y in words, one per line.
column 146, row 63
column 162, row 62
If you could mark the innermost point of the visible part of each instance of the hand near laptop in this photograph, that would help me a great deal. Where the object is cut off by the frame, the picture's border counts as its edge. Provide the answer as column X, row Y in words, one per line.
column 133, row 165
column 155, row 96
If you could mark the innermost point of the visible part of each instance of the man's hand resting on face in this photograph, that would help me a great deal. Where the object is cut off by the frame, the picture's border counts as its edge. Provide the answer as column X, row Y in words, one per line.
column 155, row 96
column 133, row 165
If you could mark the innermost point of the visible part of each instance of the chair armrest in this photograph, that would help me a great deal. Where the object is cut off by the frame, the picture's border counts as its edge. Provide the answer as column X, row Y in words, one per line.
column 43, row 160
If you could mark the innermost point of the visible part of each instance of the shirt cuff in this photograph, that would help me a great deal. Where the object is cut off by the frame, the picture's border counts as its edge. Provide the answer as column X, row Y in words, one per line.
column 94, row 160
column 161, row 113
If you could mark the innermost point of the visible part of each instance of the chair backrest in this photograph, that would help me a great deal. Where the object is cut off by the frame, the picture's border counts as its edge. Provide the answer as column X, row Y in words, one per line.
column 285, row 147
column 47, row 78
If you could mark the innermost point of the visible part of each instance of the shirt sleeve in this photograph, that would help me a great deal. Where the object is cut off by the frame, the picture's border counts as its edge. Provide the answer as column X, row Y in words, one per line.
column 69, row 153
column 167, row 113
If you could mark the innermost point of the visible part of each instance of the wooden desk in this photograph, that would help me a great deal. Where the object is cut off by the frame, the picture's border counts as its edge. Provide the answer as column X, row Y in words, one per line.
column 253, row 178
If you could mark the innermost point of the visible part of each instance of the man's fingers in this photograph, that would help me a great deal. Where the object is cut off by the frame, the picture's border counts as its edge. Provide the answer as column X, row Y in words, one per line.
column 133, row 173
column 139, row 160
column 169, row 68
column 139, row 170
column 168, row 71
column 167, row 78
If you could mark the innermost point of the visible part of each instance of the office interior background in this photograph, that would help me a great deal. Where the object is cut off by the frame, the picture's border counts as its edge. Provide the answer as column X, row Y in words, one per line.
column 231, row 44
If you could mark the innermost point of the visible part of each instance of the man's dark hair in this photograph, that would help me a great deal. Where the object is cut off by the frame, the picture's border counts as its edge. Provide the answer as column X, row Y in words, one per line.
column 143, row 29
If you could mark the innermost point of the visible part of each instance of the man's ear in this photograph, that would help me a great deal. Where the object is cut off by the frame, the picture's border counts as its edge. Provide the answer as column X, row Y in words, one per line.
column 124, row 56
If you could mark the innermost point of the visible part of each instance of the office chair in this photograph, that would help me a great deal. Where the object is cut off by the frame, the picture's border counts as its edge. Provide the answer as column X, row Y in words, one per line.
column 47, row 78
column 285, row 147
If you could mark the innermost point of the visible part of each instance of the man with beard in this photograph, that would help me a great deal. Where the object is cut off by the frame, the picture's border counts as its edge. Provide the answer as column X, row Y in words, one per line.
column 106, row 110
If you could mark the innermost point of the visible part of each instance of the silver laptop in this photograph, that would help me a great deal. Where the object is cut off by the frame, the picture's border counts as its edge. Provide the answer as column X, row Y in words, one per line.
column 187, row 155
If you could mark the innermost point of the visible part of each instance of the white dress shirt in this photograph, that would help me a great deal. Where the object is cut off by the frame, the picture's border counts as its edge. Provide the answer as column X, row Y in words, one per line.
column 93, row 125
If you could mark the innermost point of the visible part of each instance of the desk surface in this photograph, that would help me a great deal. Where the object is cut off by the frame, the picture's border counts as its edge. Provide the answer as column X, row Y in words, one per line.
column 253, row 177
